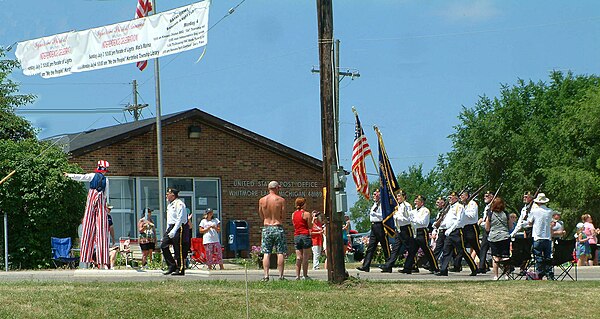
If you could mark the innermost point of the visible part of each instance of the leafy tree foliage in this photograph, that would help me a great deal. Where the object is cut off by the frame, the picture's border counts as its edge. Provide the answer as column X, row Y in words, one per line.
column 12, row 126
column 37, row 199
column 532, row 133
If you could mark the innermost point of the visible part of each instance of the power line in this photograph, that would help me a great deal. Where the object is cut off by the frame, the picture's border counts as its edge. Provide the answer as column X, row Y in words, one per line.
column 69, row 111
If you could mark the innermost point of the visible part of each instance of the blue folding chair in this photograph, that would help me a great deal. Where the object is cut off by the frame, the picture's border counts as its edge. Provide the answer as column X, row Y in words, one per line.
column 61, row 252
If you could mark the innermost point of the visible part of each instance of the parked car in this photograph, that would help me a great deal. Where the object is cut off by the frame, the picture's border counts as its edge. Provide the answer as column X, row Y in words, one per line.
column 358, row 241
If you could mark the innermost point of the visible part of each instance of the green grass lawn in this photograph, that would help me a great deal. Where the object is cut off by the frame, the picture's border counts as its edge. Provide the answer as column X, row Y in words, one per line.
column 304, row 299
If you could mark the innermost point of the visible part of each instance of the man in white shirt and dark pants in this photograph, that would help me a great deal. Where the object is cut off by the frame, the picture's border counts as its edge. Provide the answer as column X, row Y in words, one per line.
column 454, row 222
column 404, row 239
column 377, row 235
column 540, row 219
column 177, row 234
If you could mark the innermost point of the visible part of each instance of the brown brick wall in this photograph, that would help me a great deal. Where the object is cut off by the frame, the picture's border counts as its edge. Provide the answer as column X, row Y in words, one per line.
column 216, row 154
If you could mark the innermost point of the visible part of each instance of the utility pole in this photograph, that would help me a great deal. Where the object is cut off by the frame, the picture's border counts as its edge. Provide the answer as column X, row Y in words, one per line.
column 135, row 109
column 336, row 272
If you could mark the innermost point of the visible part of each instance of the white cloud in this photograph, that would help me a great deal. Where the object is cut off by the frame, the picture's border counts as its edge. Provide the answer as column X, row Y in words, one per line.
column 476, row 10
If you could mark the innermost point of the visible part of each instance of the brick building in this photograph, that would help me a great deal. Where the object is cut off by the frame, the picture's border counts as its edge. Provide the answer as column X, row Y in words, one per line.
column 212, row 162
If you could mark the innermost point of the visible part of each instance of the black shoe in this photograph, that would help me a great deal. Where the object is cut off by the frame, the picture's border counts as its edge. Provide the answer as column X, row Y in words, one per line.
column 456, row 269
column 415, row 270
column 442, row 273
column 178, row 273
column 473, row 273
column 386, row 269
column 363, row 268
column 434, row 271
column 405, row 271
column 170, row 271
column 481, row 270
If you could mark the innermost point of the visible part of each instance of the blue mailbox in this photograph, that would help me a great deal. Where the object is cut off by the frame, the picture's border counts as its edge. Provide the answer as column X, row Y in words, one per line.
column 238, row 235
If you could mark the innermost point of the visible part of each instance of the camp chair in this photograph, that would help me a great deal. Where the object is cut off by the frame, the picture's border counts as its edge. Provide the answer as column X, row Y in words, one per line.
column 125, row 249
column 198, row 256
column 61, row 252
column 520, row 260
column 562, row 257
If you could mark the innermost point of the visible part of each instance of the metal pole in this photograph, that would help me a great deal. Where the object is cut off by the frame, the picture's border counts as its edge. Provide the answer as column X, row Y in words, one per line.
column 5, row 242
column 161, row 193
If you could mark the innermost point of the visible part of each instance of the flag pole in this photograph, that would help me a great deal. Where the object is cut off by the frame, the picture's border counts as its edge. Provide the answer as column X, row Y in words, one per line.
column 373, row 158
column 161, row 196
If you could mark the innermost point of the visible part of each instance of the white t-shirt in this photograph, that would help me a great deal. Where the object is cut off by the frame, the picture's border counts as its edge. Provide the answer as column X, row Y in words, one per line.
column 211, row 236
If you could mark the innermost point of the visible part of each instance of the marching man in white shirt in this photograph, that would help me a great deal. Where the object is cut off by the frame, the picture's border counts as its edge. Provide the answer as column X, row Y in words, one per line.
column 420, row 219
column 404, row 238
column 177, row 234
column 454, row 223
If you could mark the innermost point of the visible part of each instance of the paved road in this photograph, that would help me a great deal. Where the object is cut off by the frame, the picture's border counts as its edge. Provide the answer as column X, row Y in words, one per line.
column 235, row 272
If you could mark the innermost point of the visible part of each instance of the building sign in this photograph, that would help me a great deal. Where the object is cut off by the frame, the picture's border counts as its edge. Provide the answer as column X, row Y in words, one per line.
column 165, row 33
column 289, row 189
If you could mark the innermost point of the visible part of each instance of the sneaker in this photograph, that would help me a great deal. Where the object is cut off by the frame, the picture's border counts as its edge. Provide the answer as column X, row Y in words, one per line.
column 305, row 278
column 495, row 278
column 282, row 278
column 265, row 279
column 297, row 278
column 316, row 268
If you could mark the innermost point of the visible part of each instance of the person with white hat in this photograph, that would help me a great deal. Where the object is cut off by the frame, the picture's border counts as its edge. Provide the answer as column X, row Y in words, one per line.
column 95, row 220
column 540, row 219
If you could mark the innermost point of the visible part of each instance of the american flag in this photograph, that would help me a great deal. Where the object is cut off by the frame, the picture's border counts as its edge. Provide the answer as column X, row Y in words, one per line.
column 143, row 7
column 360, row 151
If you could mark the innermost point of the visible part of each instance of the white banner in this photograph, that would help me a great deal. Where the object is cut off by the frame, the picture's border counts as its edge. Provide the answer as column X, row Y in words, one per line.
column 169, row 32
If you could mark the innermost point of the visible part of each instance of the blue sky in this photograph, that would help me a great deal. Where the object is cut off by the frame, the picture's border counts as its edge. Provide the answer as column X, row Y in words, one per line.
column 420, row 63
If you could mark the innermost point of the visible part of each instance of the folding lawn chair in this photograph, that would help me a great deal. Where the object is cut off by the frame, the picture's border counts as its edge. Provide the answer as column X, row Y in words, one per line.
column 61, row 252
column 562, row 257
column 198, row 256
column 520, row 258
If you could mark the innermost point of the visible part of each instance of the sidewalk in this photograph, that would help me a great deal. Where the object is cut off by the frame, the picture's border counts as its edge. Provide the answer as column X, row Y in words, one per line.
column 237, row 272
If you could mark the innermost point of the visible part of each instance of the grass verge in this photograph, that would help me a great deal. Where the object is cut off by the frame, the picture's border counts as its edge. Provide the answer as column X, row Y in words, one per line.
column 306, row 299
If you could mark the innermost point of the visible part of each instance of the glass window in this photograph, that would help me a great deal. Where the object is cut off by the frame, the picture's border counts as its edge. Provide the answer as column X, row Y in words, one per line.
column 207, row 195
column 149, row 198
column 121, row 193
column 182, row 184
column 121, row 197
column 124, row 223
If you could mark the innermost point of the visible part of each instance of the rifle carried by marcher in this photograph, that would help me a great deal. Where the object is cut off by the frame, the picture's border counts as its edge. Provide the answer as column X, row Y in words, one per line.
column 528, row 210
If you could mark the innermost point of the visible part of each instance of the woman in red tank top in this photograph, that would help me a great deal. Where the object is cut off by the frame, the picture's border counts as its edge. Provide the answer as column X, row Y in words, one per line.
column 302, row 224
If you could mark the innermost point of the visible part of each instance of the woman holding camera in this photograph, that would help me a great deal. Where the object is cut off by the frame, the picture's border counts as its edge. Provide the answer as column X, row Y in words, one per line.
column 497, row 225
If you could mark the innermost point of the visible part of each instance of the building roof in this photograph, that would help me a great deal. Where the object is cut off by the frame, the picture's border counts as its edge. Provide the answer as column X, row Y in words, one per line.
column 84, row 142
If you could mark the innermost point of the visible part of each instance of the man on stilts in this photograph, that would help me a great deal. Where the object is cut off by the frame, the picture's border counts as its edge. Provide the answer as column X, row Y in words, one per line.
column 95, row 220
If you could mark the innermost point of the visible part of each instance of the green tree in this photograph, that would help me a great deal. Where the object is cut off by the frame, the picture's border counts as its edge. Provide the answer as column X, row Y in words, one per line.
column 37, row 199
column 532, row 133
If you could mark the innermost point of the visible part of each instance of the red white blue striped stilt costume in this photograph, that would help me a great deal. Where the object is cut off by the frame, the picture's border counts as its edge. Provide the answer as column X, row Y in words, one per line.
column 95, row 220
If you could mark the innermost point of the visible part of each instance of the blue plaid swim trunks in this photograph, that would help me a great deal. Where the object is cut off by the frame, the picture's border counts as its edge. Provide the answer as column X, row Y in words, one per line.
column 273, row 237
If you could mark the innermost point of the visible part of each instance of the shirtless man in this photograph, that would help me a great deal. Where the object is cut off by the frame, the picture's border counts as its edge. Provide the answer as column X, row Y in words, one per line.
column 271, row 209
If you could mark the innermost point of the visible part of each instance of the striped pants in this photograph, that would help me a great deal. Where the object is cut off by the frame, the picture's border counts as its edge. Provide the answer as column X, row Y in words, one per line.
column 95, row 229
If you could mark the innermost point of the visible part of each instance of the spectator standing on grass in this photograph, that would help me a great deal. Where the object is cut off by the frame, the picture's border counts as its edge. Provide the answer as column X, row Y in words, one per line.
column 302, row 221
column 316, row 234
column 497, row 224
column 210, row 227
column 591, row 232
column 540, row 220
column 582, row 247
column 271, row 209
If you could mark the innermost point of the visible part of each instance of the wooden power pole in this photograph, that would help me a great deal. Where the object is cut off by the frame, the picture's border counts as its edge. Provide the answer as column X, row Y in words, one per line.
column 336, row 271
